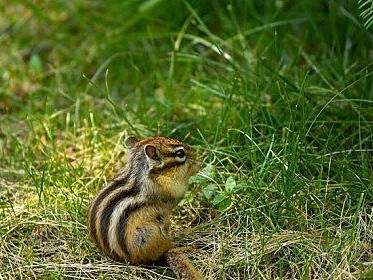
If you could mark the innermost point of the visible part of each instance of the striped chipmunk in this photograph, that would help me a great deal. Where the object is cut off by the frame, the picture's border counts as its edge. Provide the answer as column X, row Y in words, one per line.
column 129, row 217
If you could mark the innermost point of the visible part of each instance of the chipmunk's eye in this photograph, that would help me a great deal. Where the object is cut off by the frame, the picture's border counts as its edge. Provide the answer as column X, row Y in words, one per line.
column 180, row 154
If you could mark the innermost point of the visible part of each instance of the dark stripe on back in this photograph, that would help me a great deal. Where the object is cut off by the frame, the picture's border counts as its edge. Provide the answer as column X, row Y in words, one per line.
column 108, row 210
column 122, row 224
column 100, row 197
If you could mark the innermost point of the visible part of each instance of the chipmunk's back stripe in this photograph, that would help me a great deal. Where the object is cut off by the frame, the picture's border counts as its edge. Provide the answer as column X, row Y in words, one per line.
column 122, row 224
column 114, row 218
column 108, row 210
column 96, row 203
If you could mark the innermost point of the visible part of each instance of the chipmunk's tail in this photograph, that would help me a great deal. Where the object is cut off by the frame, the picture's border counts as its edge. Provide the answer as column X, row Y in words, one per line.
column 181, row 265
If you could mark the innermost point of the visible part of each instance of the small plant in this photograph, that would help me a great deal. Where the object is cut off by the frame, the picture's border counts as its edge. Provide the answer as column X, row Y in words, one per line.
column 220, row 196
column 224, row 198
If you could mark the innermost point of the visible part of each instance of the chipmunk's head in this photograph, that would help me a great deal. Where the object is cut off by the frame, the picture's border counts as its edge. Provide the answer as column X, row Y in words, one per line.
column 165, row 157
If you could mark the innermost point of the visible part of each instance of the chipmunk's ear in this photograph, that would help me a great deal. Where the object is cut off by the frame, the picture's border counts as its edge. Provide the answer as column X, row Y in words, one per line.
column 152, row 154
column 131, row 141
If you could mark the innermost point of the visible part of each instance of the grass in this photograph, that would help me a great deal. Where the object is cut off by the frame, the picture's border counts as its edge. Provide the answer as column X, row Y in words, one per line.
column 276, row 97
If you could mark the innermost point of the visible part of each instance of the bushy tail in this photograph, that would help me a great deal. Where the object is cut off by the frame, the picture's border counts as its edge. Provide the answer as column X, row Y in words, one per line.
column 181, row 265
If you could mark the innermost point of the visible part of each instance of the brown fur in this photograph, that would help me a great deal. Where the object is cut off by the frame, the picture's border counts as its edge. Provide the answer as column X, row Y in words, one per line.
column 129, row 218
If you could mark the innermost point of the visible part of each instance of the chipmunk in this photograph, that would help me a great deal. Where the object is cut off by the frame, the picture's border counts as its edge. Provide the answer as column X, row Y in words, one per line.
column 129, row 217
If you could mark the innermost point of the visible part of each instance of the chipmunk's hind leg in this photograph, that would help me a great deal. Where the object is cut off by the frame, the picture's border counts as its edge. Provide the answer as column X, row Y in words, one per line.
column 147, row 243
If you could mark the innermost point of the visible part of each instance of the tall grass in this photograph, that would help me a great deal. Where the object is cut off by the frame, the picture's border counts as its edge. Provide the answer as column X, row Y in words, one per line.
column 276, row 97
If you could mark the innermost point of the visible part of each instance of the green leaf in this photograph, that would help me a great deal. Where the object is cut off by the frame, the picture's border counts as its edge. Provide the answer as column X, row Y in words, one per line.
column 208, row 171
column 209, row 191
column 188, row 198
column 36, row 64
column 217, row 199
column 148, row 6
column 225, row 204
column 205, row 173
column 230, row 184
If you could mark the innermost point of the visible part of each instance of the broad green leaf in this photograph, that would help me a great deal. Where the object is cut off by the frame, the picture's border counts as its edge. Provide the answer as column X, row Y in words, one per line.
column 225, row 204
column 230, row 184
column 208, row 170
column 217, row 199
column 209, row 191
column 36, row 64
